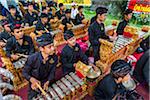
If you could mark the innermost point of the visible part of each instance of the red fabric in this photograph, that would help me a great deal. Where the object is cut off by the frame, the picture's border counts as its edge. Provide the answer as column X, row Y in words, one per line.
column 142, row 89
column 59, row 49
column 135, row 4
column 23, row 93
column 83, row 45
column 127, row 35
column 86, row 38
column 137, row 56
column 79, row 74
column 1, row 63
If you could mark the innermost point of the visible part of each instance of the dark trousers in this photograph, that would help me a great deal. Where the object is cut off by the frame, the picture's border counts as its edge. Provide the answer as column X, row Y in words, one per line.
column 31, row 94
column 96, row 53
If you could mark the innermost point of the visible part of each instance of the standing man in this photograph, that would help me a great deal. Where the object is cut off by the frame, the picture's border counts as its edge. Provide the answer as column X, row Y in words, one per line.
column 93, row 19
column 96, row 31
column 71, row 53
column 124, row 23
column 40, row 67
column 74, row 11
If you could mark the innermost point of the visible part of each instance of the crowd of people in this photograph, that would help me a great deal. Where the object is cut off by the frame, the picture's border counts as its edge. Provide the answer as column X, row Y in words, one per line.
column 40, row 67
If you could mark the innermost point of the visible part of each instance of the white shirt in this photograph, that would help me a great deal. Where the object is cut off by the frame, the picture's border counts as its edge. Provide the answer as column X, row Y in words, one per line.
column 74, row 12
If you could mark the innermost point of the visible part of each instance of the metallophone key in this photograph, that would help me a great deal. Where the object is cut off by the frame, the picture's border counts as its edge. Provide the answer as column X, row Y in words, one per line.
column 81, row 82
column 73, row 82
column 39, row 97
column 65, row 89
column 68, row 84
column 53, row 94
column 58, row 91
column 76, row 78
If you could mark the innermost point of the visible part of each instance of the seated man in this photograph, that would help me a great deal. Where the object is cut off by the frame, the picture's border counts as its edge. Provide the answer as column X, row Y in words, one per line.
column 35, row 5
column 141, row 71
column 45, row 10
column 61, row 13
column 52, row 7
column 71, row 53
column 40, row 67
column 3, row 10
column 111, row 85
column 42, row 24
column 30, row 17
column 145, row 43
column 67, row 21
column 6, row 34
column 79, row 17
column 13, row 17
column 19, row 43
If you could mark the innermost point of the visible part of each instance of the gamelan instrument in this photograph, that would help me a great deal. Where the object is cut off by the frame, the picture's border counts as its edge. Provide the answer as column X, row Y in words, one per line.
column 64, row 89
column 11, row 97
column 121, row 42
column 20, row 63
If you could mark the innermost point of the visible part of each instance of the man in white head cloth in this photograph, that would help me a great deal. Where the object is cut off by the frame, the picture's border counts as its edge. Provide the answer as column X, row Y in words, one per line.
column 74, row 10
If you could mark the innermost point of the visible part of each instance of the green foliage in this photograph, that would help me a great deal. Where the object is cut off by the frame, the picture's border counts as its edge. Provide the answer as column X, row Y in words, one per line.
column 88, row 13
column 141, row 18
column 115, row 12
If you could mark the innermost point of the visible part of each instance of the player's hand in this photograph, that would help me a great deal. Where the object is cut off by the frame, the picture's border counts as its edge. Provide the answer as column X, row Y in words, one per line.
column 34, row 82
column 46, row 85
column 2, row 44
column 15, row 57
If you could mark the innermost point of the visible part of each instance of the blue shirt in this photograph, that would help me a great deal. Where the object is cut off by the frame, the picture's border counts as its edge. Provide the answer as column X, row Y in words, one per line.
column 35, row 67
column 12, row 46
column 70, row 56
column 14, row 20
column 5, row 35
column 30, row 18
column 40, row 26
